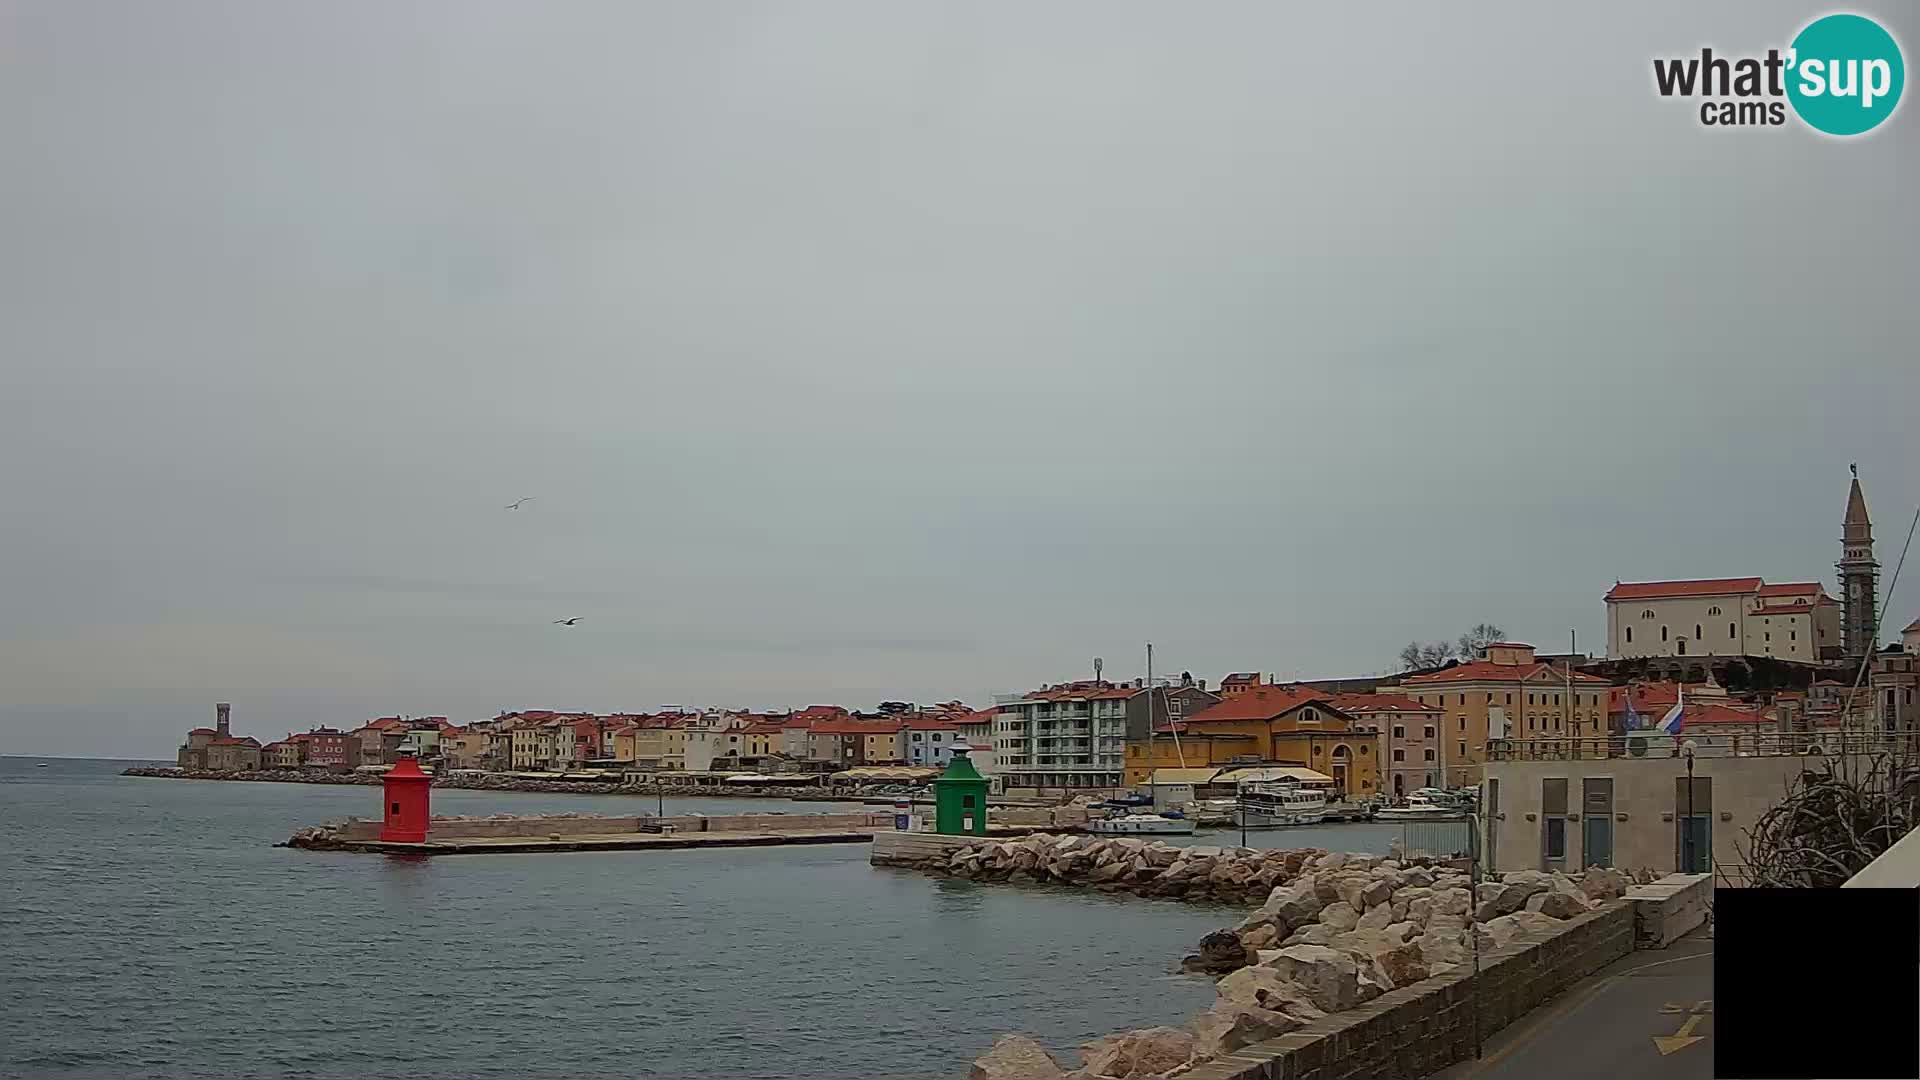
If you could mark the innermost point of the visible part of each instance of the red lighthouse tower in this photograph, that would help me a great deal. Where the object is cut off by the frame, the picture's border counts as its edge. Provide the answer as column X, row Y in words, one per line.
column 406, row 803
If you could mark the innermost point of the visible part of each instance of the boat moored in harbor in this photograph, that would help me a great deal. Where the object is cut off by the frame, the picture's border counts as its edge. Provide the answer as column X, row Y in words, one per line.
column 1142, row 825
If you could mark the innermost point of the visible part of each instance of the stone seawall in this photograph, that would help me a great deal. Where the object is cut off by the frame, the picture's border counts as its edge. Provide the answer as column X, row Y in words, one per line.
column 356, row 830
column 1345, row 950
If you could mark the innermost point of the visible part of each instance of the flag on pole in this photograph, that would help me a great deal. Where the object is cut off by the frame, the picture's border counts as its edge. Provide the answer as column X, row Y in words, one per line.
column 1634, row 721
column 1671, row 722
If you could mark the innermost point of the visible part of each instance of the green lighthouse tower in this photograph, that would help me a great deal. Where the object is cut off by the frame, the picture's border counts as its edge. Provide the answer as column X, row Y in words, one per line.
column 960, row 798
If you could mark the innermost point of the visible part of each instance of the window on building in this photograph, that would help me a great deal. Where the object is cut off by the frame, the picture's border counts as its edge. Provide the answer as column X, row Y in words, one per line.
column 1429, row 753
column 1696, row 631
column 1530, row 700
column 1713, row 611
column 1663, row 633
column 1430, row 731
column 1530, row 723
column 1463, row 699
column 1556, row 838
column 1463, row 750
column 1363, row 749
column 1647, row 614
column 1509, row 699
column 1730, row 631
column 1629, row 635
column 1400, row 732
column 1793, row 635
column 1767, row 637
column 1462, row 721
column 1399, row 754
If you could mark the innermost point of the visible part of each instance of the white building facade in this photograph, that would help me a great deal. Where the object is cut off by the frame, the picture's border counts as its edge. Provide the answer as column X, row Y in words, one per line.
column 1070, row 736
column 1722, row 617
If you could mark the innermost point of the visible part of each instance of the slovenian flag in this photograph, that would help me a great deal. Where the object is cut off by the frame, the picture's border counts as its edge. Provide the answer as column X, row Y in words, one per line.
column 1671, row 722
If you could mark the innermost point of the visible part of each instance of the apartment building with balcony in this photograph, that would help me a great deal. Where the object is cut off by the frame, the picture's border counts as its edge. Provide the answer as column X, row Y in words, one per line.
column 1062, row 737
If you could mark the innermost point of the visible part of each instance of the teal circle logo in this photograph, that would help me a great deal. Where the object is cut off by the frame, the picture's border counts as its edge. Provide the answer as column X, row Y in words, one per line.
column 1845, row 74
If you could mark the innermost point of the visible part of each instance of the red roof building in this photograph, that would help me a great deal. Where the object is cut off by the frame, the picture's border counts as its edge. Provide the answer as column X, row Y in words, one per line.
column 1718, row 617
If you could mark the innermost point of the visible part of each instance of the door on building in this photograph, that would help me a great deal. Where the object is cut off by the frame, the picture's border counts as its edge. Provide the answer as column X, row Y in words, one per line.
column 1489, row 822
column 1596, row 822
column 1399, row 784
column 1553, row 823
column 1693, row 825
column 1696, row 844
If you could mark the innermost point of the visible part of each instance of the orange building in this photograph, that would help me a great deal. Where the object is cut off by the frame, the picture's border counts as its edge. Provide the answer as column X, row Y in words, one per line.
column 1284, row 725
column 1509, row 695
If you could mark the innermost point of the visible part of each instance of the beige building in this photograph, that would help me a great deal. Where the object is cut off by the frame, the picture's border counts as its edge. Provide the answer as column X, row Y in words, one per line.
column 1407, row 733
column 1508, row 695
column 1542, row 813
column 1722, row 617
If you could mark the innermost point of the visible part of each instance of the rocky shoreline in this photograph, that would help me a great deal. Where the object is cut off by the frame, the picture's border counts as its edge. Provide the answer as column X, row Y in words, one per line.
column 496, row 782
column 1333, row 931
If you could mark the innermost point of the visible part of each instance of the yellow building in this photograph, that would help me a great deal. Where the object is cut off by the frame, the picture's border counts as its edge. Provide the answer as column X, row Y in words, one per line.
column 659, row 747
column 882, row 746
column 1509, row 695
column 1287, row 725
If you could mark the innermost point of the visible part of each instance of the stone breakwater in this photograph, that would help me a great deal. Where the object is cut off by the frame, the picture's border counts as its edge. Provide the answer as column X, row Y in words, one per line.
column 496, row 782
column 1333, row 931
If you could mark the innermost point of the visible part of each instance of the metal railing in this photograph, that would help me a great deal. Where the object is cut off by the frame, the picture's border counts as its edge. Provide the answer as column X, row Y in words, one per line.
column 1708, row 744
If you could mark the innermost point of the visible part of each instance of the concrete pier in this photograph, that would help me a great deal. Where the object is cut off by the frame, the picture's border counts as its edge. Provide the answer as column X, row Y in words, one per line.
column 508, row 834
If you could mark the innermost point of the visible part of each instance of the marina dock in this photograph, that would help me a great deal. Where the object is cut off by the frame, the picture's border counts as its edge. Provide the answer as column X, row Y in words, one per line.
column 516, row 845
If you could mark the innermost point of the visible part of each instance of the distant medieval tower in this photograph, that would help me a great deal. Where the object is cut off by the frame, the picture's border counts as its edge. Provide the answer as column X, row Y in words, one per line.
column 1859, row 576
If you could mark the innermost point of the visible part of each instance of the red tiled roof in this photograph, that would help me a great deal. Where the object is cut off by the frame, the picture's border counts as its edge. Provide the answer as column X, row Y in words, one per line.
column 1720, row 714
column 1261, row 703
column 1792, row 588
column 984, row 716
column 203, row 731
column 1490, row 671
column 1360, row 703
column 764, row 729
column 244, row 740
column 856, row 727
column 1241, row 677
column 1652, row 590
column 930, row 723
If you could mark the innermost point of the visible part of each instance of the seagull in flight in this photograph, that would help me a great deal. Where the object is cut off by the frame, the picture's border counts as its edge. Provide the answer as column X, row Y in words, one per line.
column 566, row 622
column 517, row 503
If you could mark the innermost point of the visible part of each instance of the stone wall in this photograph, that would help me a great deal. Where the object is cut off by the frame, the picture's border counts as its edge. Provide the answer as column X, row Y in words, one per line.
column 1665, row 910
column 1411, row 1032
column 455, row 828
column 1342, row 940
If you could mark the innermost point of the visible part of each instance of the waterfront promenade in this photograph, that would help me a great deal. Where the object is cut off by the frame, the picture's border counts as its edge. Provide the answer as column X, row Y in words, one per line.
column 1649, row 1014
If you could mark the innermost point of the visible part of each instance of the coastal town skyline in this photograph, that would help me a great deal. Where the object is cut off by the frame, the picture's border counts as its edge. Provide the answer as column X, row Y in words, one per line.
column 932, row 365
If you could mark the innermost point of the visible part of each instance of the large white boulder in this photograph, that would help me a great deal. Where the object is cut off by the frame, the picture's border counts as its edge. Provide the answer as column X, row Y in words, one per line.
column 1330, row 976
column 1015, row 1057
column 1132, row 1055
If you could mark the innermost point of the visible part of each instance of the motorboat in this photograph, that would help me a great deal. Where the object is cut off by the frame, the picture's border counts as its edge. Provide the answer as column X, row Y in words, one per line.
column 1426, row 804
column 1142, row 825
column 1265, row 802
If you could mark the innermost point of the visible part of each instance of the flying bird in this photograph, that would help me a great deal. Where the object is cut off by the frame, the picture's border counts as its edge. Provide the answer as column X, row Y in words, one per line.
column 566, row 622
column 516, row 504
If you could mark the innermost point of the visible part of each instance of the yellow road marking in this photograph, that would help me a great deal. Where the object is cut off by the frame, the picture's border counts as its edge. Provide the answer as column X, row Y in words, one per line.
column 1681, row 1039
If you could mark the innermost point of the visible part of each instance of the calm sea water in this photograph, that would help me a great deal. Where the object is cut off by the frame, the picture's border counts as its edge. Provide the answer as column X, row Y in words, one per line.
column 149, row 928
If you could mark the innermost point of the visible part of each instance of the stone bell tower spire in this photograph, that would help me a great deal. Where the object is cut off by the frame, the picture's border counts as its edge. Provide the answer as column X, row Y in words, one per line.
column 1859, row 576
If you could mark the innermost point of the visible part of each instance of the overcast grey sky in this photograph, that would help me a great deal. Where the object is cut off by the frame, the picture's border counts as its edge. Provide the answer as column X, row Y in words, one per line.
column 891, row 349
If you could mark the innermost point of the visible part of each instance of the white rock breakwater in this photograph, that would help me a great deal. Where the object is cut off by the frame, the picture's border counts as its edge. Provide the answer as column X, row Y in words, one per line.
column 1333, row 931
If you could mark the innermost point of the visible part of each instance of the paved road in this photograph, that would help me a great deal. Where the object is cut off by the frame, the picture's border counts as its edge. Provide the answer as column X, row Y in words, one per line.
column 1615, row 1024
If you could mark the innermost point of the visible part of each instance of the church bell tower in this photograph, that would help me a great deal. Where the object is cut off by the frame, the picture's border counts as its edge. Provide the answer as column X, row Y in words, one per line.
column 1859, row 576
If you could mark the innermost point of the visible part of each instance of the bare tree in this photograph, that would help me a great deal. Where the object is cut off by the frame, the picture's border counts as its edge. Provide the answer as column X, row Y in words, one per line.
column 1475, row 641
column 1431, row 655
column 1833, row 821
